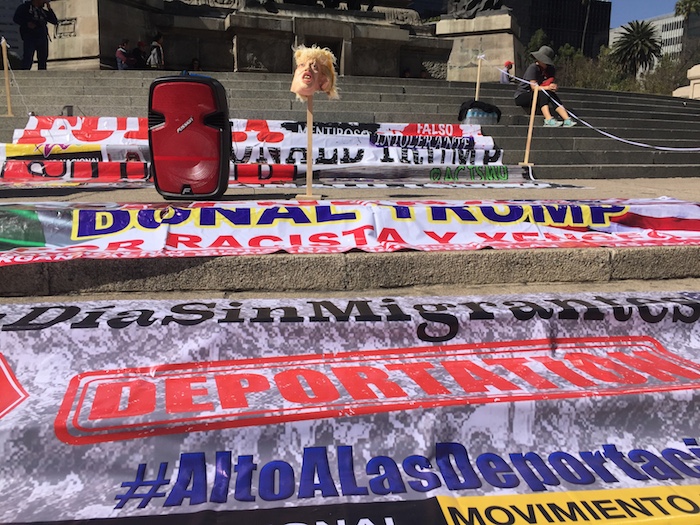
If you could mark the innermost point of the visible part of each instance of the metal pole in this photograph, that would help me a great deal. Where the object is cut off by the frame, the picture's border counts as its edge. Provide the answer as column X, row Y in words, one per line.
column 6, row 64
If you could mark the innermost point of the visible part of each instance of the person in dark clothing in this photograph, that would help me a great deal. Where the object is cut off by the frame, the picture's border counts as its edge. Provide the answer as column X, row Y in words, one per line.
column 139, row 55
column 540, row 75
column 33, row 17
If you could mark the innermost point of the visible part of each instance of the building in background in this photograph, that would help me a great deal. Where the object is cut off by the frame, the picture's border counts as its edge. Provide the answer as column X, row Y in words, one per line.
column 250, row 35
column 8, row 28
column 670, row 29
column 564, row 21
column 369, row 37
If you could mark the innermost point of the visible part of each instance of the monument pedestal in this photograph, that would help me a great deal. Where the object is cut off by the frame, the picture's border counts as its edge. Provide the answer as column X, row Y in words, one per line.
column 494, row 35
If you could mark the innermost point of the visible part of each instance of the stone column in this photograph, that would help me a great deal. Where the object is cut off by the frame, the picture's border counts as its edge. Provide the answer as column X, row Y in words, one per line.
column 234, row 50
column 346, row 58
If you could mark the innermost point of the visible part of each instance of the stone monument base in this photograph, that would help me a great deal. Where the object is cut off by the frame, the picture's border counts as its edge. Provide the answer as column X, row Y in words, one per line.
column 493, row 35
column 693, row 90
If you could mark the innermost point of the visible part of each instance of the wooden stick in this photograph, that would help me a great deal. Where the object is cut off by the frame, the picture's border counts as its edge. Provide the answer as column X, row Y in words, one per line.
column 309, row 151
column 533, row 110
column 478, row 79
column 6, row 63
column 309, row 144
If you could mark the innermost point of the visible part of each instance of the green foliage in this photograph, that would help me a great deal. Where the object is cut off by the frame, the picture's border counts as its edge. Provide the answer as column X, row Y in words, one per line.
column 539, row 39
column 637, row 47
column 671, row 73
column 617, row 68
column 604, row 73
column 576, row 70
column 687, row 7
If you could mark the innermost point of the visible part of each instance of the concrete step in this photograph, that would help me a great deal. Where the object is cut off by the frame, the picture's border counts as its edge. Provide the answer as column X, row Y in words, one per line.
column 614, row 171
column 602, row 157
column 649, row 119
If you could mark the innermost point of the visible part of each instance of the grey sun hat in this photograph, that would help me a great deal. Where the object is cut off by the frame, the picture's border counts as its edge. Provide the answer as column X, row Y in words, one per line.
column 544, row 55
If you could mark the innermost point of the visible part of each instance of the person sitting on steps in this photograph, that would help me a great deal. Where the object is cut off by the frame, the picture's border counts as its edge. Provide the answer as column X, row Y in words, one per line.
column 540, row 75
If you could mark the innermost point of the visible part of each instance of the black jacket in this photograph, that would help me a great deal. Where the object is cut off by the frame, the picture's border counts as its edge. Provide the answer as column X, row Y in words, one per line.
column 26, row 13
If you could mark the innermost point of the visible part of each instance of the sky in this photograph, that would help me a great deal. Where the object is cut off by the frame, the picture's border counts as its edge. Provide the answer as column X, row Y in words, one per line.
column 625, row 11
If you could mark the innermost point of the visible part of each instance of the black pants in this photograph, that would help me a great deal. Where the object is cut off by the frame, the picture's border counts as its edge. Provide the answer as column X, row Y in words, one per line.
column 40, row 46
column 525, row 100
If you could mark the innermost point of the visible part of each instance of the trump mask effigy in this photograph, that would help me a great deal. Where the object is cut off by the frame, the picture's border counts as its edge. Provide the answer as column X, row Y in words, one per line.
column 314, row 72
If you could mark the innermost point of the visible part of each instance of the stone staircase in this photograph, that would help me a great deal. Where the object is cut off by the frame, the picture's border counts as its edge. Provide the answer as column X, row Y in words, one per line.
column 575, row 153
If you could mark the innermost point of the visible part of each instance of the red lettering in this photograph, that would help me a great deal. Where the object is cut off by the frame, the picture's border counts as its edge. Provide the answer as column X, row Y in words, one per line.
column 390, row 235
column 460, row 371
column 560, row 368
column 359, row 234
column 225, row 241
column 495, row 237
column 444, row 239
column 324, row 239
column 134, row 244
column 654, row 365
column 263, row 130
column 177, row 240
column 256, row 242
column 321, row 387
column 232, row 392
column 519, row 366
column 525, row 236
column 419, row 373
column 604, row 369
column 357, row 381
column 179, row 395
column 141, row 399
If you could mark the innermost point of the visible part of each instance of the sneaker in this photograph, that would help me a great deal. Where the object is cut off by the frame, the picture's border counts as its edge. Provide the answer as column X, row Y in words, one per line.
column 568, row 123
column 552, row 123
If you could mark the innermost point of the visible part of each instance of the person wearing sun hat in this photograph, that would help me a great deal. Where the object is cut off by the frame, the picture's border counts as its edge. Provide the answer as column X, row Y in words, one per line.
column 541, row 75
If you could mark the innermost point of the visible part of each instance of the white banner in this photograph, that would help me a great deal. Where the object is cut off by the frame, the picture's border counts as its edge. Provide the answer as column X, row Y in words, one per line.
column 60, row 231
column 454, row 410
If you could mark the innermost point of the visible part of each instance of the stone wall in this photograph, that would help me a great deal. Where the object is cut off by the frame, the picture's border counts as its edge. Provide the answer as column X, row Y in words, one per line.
column 249, row 35
column 493, row 37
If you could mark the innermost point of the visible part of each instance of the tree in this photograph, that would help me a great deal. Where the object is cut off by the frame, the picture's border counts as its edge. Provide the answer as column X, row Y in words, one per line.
column 685, row 8
column 539, row 38
column 637, row 47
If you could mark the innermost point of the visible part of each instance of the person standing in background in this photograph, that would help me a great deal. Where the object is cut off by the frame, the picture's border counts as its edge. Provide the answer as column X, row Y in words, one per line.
column 33, row 17
column 506, row 77
column 139, row 55
column 124, row 61
column 157, row 57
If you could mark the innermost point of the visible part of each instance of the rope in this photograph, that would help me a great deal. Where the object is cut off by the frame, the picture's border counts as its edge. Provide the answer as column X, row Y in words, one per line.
column 14, row 80
column 598, row 130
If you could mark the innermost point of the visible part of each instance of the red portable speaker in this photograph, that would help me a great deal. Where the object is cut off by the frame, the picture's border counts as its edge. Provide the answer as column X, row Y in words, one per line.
column 189, row 136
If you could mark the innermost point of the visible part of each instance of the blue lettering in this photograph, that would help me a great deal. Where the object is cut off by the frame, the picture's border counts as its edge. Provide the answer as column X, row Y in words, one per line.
column 193, row 470
column 389, row 479
column 269, row 473
column 444, row 454
column 429, row 480
column 315, row 463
